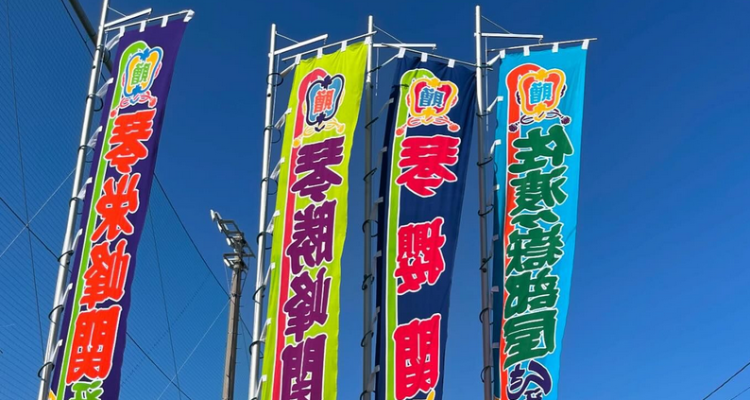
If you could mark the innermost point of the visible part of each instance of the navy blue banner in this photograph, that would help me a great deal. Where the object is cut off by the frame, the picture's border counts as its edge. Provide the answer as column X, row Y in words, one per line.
column 428, row 142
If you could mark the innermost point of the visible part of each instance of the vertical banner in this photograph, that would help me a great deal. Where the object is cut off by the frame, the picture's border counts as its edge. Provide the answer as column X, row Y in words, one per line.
column 538, row 162
column 427, row 141
column 114, row 209
column 301, row 352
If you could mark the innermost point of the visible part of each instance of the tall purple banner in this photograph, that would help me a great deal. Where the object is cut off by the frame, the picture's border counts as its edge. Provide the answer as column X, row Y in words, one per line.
column 428, row 141
column 93, row 334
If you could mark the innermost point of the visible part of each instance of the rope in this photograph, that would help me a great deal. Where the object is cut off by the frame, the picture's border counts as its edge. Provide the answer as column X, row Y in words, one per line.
column 377, row 71
column 146, row 354
column 287, row 38
column 727, row 381
column 245, row 334
column 148, row 357
column 379, row 29
column 73, row 22
column 29, row 228
column 194, row 348
column 164, row 299
column 192, row 242
column 23, row 176
column 117, row 12
column 26, row 225
column 740, row 393
column 494, row 23
column 182, row 224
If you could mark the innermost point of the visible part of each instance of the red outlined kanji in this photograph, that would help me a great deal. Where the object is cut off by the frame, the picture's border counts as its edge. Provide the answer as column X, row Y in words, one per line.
column 105, row 278
column 417, row 357
column 126, row 142
column 93, row 344
column 115, row 204
column 420, row 256
column 424, row 161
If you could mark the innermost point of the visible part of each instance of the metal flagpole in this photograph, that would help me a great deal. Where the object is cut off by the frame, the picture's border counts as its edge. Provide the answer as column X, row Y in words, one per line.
column 485, row 259
column 260, row 276
column 259, row 279
column 62, row 270
column 369, row 277
column 482, row 160
column 367, row 228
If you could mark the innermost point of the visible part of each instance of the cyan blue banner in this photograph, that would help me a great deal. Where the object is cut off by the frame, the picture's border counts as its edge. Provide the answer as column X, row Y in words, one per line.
column 538, row 161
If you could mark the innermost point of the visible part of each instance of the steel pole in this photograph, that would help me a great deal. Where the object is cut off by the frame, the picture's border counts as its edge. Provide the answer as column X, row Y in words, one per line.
column 367, row 228
column 481, row 161
column 70, row 227
column 230, row 359
column 259, row 278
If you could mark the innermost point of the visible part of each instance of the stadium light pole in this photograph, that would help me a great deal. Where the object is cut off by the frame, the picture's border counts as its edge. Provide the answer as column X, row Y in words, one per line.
column 236, row 262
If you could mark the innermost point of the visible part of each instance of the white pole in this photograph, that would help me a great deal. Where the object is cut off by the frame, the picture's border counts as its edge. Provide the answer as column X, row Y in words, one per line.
column 485, row 285
column 259, row 278
column 367, row 228
column 70, row 227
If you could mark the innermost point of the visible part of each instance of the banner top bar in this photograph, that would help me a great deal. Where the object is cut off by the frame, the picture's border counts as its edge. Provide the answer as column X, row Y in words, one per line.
column 432, row 46
column 543, row 44
column 114, row 25
column 128, row 17
column 511, row 35
column 334, row 44
column 299, row 44
column 429, row 54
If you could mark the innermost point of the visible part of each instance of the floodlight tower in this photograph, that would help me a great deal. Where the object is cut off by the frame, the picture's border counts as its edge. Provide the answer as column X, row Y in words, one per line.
column 236, row 262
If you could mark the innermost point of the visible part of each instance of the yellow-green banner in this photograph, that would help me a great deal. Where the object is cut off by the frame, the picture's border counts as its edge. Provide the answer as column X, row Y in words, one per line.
column 301, row 353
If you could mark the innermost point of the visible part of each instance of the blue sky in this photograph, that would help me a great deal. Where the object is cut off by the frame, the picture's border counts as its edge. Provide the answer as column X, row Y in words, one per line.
column 659, row 300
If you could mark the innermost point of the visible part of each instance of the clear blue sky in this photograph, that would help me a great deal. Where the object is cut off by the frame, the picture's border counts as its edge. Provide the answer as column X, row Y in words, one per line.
column 659, row 299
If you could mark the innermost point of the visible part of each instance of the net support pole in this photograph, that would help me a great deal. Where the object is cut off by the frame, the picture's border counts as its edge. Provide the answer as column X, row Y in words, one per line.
column 259, row 273
column 84, row 20
column 64, row 262
column 367, row 228
column 484, row 315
